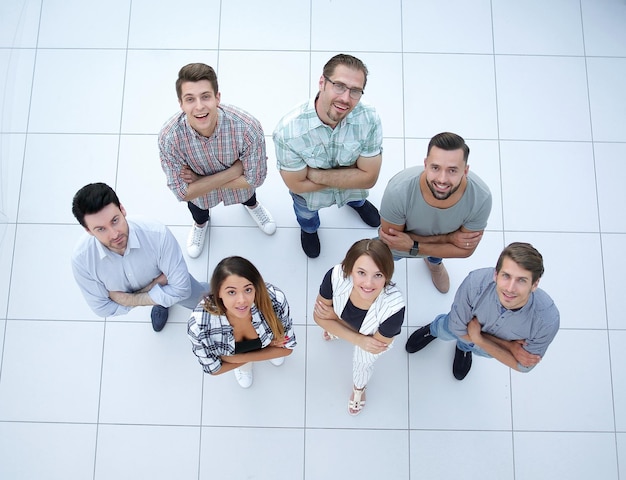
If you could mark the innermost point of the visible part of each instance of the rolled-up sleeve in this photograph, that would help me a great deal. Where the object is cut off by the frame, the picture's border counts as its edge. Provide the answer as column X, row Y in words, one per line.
column 172, row 162
column 254, row 156
column 172, row 264
column 201, row 342
column 461, row 311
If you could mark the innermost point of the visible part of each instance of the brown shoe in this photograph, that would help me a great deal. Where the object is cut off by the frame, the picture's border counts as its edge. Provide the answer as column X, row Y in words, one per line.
column 439, row 275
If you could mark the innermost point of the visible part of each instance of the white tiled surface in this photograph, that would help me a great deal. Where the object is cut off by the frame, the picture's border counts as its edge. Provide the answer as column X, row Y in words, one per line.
column 536, row 88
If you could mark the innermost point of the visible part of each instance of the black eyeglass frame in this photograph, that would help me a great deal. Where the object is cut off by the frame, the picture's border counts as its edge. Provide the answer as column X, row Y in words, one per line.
column 340, row 88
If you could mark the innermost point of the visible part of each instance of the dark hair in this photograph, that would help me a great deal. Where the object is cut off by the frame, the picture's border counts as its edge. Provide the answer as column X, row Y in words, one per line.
column 449, row 141
column 348, row 61
column 374, row 248
column 91, row 199
column 242, row 268
column 195, row 72
column 526, row 256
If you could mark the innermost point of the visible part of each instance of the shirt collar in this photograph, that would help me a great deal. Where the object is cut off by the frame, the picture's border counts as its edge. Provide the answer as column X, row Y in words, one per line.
column 133, row 242
column 314, row 119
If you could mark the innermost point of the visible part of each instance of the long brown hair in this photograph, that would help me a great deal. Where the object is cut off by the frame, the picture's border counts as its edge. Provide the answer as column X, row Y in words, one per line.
column 242, row 268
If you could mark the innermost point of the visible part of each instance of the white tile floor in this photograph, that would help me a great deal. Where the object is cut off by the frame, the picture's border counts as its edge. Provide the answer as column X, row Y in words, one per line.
column 536, row 88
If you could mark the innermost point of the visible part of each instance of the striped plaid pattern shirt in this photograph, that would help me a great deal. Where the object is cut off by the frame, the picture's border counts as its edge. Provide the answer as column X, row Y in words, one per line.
column 212, row 335
column 238, row 136
column 301, row 139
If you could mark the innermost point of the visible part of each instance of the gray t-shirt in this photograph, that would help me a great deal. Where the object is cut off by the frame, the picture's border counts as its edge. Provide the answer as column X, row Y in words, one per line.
column 404, row 204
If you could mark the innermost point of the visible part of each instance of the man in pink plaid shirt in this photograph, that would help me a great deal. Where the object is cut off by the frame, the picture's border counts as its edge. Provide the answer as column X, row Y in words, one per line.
column 212, row 153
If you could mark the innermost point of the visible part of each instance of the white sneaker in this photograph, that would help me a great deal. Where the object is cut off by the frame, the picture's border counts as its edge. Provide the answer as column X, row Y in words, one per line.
column 277, row 361
column 195, row 240
column 263, row 218
column 243, row 375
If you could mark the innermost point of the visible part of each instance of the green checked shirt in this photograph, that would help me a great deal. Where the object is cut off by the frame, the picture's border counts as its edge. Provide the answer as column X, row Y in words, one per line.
column 301, row 140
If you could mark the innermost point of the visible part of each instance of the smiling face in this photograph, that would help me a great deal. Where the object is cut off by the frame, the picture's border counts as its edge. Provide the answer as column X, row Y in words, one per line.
column 200, row 102
column 109, row 226
column 367, row 278
column 331, row 107
column 514, row 284
column 237, row 294
column 445, row 171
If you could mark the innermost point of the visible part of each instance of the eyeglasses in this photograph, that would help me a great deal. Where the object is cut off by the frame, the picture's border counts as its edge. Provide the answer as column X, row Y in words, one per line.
column 339, row 88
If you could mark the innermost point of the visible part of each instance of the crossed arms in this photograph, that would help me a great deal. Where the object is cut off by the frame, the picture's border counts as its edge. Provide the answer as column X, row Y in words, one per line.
column 140, row 297
column 363, row 174
column 325, row 317
column 509, row 352
column 199, row 185
column 458, row 244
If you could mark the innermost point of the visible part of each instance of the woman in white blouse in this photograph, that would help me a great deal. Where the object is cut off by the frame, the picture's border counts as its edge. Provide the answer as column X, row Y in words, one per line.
column 357, row 302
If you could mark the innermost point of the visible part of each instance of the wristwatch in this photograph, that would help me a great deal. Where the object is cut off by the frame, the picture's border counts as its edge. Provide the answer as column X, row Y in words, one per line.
column 414, row 249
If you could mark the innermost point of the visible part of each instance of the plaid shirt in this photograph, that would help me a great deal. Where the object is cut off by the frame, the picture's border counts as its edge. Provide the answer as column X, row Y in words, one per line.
column 212, row 335
column 302, row 139
column 238, row 136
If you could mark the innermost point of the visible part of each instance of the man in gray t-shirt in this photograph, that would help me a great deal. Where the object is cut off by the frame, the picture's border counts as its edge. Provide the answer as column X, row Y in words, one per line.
column 499, row 313
column 436, row 212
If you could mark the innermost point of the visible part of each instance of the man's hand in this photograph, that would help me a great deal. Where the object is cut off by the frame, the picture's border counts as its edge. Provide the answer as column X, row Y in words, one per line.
column 161, row 280
column 187, row 175
column 396, row 240
column 465, row 240
column 523, row 357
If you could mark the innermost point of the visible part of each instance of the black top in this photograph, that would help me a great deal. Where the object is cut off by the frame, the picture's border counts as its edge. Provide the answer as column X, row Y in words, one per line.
column 246, row 346
column 354, row 316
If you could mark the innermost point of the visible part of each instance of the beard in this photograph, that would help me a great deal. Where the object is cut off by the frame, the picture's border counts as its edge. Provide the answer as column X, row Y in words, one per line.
column 443, row 196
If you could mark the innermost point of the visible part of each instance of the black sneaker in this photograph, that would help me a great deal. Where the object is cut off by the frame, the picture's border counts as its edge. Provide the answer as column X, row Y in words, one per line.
column 369, row 214
column 310, row 244
column 159, row 316
column 462, row 364
column 419, row 339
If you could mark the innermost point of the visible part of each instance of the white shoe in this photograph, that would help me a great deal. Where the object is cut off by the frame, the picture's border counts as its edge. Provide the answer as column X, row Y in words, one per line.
column 263, row 218
column 277, row 361
column 195, row 240
column 243, row 375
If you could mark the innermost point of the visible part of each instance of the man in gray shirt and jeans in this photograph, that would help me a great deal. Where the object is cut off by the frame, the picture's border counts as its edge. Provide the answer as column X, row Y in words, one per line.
column 436, row 212
column 497, row 313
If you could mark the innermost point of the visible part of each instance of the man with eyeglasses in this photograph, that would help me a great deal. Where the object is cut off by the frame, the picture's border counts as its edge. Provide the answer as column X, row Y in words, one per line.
column 329, row 149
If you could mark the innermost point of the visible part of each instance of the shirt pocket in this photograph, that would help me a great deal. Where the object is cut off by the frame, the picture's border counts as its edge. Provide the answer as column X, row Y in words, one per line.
column 316, row 157
column 347, row 153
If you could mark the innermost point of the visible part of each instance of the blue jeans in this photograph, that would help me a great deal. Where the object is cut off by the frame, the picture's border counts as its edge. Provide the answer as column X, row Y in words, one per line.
column 309, row 220
column 440, row 328
column 433, row 260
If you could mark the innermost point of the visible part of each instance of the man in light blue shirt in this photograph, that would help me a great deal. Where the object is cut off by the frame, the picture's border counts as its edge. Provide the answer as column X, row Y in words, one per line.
column 123, row 263
column 329, row 149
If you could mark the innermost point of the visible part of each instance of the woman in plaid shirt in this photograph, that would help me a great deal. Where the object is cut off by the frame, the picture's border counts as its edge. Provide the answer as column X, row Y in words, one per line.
column 242, row 320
